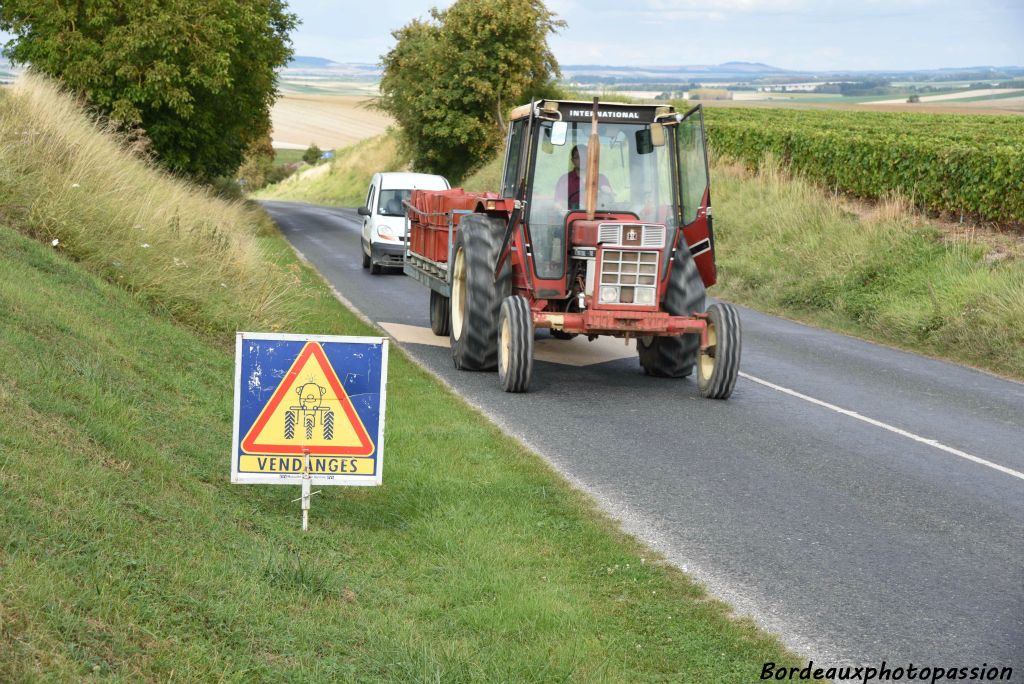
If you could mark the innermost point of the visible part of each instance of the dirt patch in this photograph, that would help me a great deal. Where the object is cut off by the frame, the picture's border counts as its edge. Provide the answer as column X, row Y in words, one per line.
column 330, row 121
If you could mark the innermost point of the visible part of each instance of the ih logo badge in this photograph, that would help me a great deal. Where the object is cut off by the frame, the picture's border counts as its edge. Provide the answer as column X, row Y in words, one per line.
column 321, row 395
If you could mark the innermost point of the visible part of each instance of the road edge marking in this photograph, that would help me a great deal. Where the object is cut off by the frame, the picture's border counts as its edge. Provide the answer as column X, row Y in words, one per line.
column 885, row 426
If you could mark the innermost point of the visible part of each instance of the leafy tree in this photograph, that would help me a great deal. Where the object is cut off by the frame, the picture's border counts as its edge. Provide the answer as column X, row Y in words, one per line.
column 449, row 80
column 312, row 154
column 198, row 76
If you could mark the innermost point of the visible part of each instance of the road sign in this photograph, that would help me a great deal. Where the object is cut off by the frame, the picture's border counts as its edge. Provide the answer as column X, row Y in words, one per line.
column 316, row 395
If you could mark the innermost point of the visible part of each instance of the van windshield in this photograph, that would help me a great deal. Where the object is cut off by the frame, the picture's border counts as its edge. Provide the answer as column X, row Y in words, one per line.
column 391, row 202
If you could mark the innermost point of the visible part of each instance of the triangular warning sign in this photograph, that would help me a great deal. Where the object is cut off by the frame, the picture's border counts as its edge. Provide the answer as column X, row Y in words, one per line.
column 309, row 410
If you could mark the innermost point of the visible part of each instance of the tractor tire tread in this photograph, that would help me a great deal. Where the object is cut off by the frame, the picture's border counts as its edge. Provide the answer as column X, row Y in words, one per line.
column 516, row 310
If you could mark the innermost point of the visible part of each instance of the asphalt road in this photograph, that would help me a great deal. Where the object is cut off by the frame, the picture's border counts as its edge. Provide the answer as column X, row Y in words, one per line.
column 864, row 503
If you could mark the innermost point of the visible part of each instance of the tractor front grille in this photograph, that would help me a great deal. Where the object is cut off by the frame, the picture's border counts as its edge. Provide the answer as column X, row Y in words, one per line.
column 628, row 277
column 650, row 236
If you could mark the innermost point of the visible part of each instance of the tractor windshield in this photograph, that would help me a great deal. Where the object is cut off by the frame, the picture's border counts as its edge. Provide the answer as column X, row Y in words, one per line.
column 635, row 178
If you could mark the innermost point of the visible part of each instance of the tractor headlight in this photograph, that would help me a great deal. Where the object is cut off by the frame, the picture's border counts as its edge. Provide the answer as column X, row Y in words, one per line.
column 645, row 296
column 609, row 295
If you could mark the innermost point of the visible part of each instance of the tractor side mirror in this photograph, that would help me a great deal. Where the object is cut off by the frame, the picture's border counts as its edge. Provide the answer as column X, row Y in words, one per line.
column 363, row 211
column 559, row 129
column 649, row 138
column 644, row 144
column 657, row 135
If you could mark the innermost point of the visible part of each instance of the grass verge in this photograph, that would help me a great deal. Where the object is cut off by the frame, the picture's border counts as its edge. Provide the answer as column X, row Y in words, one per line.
column 125, row 555
column 785, row 247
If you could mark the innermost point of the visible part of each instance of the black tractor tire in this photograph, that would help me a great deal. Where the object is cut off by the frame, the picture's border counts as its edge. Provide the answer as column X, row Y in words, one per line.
column 328, row 424
column 476, row 296
column 719, row 365
column 309, row 427
column 440, row 314
column 515, row 344
column 675, row 356
column 289, row 425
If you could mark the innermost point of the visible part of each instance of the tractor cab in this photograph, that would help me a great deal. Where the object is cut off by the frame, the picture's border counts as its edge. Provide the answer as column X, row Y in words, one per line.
column 650, row 190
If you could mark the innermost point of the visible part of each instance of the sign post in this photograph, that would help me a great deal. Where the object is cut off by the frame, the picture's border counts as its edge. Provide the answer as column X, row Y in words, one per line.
column 309, row 410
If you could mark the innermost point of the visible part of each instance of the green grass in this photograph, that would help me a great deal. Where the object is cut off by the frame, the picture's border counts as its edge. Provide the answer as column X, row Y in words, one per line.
column 282, row 157
column 126, row 556
column 348, row 178
column 785, row 247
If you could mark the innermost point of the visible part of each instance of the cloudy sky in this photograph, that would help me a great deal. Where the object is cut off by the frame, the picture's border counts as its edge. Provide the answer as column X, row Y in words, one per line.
column 792, row 34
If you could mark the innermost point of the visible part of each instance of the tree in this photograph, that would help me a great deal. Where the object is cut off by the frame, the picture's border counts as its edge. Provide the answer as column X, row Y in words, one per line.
column 312, row 154
column 450, row 80
column 198, row 76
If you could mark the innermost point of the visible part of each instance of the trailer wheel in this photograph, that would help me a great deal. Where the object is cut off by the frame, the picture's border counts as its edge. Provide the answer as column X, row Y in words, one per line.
column 675, row 356
column 440, row 314
column 476, row 297
column 719, row 365
column 515, row 344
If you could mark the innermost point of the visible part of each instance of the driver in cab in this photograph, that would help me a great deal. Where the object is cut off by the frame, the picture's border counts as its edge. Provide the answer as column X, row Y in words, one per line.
column 570, row 187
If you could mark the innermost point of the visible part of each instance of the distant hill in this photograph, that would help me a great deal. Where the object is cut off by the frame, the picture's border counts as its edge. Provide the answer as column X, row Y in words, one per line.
column 305, row 62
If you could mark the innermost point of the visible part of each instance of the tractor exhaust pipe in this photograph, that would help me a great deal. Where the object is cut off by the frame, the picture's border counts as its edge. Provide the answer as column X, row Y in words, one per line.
column 593, row 160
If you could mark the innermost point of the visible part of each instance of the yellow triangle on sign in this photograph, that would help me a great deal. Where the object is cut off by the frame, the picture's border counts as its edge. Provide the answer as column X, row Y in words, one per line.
column 309, row 410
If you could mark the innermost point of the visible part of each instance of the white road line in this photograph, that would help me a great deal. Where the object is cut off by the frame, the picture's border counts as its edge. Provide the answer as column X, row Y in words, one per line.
column 886, row 426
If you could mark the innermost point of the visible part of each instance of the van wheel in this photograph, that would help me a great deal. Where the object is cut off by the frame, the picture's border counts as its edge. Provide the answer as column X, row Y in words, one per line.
column 366, row 257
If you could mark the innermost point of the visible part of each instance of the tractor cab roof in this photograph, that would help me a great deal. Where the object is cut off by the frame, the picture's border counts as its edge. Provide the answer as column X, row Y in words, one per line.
column 578, row 110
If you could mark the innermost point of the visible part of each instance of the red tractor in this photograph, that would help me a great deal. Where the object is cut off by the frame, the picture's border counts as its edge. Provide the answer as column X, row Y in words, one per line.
column 602, row 227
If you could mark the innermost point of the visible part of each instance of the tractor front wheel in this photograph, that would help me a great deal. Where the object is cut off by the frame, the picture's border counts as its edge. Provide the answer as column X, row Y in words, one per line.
column 476, row 296
column 515, row 344
column 719, row 364
column 440, row 314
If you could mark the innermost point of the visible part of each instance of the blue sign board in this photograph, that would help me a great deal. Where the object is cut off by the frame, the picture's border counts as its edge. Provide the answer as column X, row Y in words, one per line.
column 309, row 402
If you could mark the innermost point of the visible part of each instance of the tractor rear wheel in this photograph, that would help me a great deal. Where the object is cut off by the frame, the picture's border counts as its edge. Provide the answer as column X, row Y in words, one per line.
column 440, row 314
column 675, row 356
column 476, row 297
column 719, row 365
column 515, row 344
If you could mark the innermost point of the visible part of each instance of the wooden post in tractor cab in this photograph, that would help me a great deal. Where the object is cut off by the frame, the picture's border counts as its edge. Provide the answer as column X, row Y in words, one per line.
column 593, row 159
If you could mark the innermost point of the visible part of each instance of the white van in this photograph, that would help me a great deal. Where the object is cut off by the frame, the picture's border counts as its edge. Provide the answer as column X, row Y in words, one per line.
column 384, row 238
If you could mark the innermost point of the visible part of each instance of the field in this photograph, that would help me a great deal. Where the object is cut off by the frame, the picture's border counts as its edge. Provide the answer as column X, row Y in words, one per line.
column 330, row 121
column 957, row 165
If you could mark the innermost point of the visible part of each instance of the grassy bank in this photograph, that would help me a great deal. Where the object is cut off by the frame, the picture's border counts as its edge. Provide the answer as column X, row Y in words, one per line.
column 884, row 273
column 125, row 555
column 344, row 180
